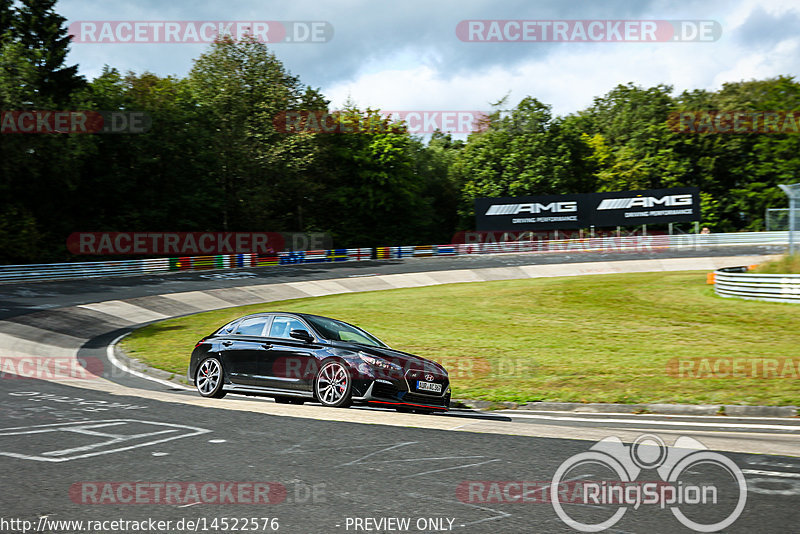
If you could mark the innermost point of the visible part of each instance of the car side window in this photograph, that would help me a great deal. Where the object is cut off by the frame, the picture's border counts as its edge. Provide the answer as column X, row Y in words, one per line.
column 282, row 326
column 228, row 328
column 253, row 326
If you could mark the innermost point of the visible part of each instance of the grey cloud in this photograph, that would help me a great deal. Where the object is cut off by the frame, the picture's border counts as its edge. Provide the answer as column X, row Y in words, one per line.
column 365, row 31
column 762, row 30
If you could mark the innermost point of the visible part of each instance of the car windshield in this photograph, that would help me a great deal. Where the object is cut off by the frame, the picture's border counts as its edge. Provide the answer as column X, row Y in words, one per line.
column 339, row 331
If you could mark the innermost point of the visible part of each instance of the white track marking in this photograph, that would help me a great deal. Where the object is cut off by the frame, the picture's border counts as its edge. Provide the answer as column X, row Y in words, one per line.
column 778, row 474
column 87, row 428
column 116, row 363
column 125, row 310
column 631, row 415
column 662, row 423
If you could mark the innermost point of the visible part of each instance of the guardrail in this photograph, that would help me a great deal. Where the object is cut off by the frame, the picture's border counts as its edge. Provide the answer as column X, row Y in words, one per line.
column 636, row 243
column 737, row 282
column 72, row 271
column 67, row 271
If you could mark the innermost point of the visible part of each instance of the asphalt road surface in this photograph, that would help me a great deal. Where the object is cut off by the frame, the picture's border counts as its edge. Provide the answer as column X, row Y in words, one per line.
column 72, row 454
column 65, row 452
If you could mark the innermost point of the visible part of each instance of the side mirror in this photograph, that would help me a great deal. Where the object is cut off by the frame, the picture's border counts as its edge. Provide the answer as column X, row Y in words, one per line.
column 302, row 335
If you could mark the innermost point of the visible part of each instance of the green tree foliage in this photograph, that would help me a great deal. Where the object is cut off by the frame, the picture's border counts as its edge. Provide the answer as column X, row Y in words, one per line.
column 42, row 33
column 240, row 87
column 214, row 158
column 373, row 193
column 524, row 152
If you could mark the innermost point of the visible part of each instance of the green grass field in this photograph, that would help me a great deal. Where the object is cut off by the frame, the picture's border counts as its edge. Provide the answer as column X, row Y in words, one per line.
column 602, row 338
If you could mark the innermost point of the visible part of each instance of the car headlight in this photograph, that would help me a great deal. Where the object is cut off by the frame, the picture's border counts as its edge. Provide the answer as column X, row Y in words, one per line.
column 379, row 363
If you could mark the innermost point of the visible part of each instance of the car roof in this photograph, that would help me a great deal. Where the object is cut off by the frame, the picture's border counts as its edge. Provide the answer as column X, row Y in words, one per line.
column 297, row 314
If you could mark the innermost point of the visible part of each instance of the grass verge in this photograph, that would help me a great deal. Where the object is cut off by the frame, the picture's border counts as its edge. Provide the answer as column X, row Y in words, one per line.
column 784, row 265
column 601, row 338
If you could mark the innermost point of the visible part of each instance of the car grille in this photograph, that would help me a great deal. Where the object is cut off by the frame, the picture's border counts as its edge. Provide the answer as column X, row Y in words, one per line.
column 413, row 375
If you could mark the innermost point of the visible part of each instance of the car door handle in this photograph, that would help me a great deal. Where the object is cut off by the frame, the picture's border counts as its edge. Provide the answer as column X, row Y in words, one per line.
column 227, row 343
column 266, row 346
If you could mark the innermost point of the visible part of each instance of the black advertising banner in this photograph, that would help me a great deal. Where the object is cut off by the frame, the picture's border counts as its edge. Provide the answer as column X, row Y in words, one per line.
column 654, row 206
column 621, row 208
column 554, row 212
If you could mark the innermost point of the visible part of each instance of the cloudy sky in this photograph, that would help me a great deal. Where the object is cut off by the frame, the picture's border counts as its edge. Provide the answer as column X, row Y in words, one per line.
column 407, row 56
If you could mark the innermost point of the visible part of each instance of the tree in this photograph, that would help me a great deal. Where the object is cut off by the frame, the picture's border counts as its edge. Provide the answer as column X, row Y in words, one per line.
column 372, row 191
column 7, row 18
column 41, row 31
column 526, row 152
column 241, row 87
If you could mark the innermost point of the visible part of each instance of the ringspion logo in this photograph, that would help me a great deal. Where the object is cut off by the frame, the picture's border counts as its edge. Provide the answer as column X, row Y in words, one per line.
column 704, row 490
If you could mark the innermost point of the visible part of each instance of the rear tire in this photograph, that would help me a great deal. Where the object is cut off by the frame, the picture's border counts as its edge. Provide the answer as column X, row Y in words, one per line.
column 209, row 378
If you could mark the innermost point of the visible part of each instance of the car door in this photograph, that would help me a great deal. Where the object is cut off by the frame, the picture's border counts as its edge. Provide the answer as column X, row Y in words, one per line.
column 291, row 364
column 242, row 350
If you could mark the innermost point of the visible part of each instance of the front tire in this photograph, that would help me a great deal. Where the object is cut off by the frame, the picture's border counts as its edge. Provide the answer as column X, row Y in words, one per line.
column 333, row 386
column 208, row 378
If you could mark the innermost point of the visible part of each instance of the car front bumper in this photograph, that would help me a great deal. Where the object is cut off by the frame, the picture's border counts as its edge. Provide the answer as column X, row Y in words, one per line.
column 392, row 395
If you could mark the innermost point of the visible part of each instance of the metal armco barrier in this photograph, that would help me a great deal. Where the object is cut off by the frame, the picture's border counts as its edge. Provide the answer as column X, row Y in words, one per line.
column 67, row 271
column 72, row 271
column 637, row 243
column 737, row 282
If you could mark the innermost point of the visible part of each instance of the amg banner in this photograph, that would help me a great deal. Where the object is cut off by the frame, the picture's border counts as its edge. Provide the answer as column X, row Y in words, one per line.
column 557, row 212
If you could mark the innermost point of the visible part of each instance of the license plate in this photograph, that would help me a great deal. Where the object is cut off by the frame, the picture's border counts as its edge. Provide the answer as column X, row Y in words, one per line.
column 429, row 386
